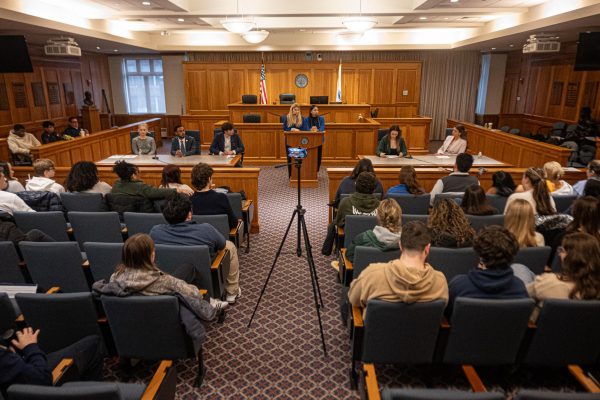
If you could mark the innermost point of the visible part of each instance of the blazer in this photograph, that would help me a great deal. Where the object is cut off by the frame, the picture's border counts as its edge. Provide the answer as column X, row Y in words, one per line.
column 306, row 124
column 189, row 145
column 218, row 144
column 287, row 128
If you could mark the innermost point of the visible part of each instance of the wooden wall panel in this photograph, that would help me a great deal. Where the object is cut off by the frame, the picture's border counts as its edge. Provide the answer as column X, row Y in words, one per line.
column 196, row 88
column 218, row 83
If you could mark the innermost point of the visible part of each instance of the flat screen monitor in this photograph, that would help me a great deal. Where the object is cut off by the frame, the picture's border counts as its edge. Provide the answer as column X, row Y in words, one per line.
column 15, row 55
column 588, row 52
column 319, row 99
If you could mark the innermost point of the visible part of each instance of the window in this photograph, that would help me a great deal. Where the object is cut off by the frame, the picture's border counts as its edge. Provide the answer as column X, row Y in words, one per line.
column 145, row 89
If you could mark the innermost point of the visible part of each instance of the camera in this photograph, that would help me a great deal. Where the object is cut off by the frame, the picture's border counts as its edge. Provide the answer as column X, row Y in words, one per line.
column 297, row 152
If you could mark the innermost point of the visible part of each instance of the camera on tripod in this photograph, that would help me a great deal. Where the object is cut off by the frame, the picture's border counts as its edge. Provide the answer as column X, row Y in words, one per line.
column 297, row 152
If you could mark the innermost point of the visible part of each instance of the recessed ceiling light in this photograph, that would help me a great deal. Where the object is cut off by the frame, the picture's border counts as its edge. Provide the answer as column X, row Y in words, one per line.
column 302, row 30
column 453, row 1
column 115, row 50
column 446, row 18
column 146, row 3
column 422, row 18
column 493, row 48
column 97, row 47
column 511, row 45
column 180, row 19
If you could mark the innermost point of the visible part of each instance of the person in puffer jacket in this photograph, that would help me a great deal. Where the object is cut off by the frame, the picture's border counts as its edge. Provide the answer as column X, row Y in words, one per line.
column 360, row 202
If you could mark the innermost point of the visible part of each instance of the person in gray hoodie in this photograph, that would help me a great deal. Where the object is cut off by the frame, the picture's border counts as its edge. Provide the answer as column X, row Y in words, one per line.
column 42, row 181
column 386, row 235
column 360, row 202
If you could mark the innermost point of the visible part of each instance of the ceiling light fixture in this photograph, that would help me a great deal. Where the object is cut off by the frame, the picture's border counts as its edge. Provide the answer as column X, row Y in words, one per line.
column 238, row 24
column 359, row 24
column 422, row 18
column 146, row 3
column 180, row 19
column 256, row 36
column 97, row 47
column 453, row 1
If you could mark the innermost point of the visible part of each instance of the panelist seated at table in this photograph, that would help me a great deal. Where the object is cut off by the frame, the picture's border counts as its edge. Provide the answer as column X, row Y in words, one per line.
column 49, row 135
column 182, row 145
column 227, row 143
column 142, row 143
column 392, row 144
column 455, row 143
column 73, row 130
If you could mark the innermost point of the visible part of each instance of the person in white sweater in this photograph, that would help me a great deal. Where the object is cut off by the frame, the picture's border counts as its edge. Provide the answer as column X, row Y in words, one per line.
column 20, row 142
column 42, row 181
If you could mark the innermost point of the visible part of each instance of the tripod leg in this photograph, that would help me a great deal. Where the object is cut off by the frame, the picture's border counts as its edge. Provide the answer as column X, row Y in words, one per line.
column 273, row 266
column 311, row 260
column 299, row 237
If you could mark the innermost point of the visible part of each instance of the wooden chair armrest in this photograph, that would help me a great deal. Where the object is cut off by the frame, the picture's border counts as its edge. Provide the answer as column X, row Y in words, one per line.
column 157, row 380
column 219, row 258
column 473, row 378
column 124, row 230
column 20, row 318
column 340, row 231
column 203, row 292
column 588, row 383
column 444, row 323
column 69, row 231
column 54, row 289
column 371, row 386
column 246, row 205
column 59, row 371
column 238, row 227
column 347, row 263
column 357, row 317
column 86, row 264
column 102, row 320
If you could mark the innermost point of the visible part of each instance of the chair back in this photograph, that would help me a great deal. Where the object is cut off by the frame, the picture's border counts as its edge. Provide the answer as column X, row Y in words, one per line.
column 196, row 136
column 134, row 134
column 10, row 272
column 437, row 394
column 249, row 99
column 386, row 337
column 287, row 98
column 142, row 222
column 96, row 227
column 558, row 128
column 449, row 131
column 7, row 313
column 452, row 262
column 567, row 333
column 487, row 332
column 563, row 202
column 55, row 264
column 103, row 258
column 132, row 318
column 505, row 128
column 534, row 258
column 381, row 133
column 356, row 224
column 83, row 390
column 122, row 203
column 375, row 112
column 411, row 204
column 496, row 201
column 481, row 221
column 363, row 256
column 546, row 395
column 515, row 131
column 219, row 221
column 64, row 318
column 406, row 218
column 235, row 201
column 88, row 202
column 251, row 118
column 457, row 197
column 52, row 223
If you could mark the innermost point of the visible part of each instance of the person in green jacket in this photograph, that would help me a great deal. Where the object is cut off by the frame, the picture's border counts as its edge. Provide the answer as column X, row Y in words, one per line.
column 392, row 143
column 360, row 202
column 386, row 235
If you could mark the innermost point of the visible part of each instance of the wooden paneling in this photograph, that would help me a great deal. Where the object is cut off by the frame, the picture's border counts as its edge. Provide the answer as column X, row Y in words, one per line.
column 530, row 123
column 210, row 86
column 414, row 130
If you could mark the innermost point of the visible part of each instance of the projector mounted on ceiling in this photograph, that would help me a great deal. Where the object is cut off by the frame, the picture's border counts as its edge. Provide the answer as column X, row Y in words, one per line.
column 542, row 43
column 62, row 46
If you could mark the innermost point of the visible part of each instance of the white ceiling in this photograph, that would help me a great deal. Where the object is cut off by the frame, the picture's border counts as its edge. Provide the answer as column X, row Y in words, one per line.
column 194, row 25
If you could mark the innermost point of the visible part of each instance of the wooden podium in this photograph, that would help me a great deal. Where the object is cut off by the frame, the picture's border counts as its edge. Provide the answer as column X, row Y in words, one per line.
column 310, row 141
column 91, row 118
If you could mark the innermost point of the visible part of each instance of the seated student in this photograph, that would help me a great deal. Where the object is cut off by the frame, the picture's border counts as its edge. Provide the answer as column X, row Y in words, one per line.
column 10, row 202
column 592, row 172
column 44, row 171
column 348, row 184
column 171, row 178
column 580, row 274
column 502, row 184
column 520, row 221
column 24, row 362
column 554, row 172
column 73, row 130
column 493, row 278
column 592, row 188
column 535, row 192
column 449, row 225
column 227, row 143
column 181, row 230
column 386, row 235
column 409, row 279
column 457, row 181
column 206, row 201
column 586, row 218
column 408, row 182
column 142, row 143
column 361, row 202
column 20, row 143
column 392, row 144
column 455, row 143
column 182, row 145
column 12, row 184
column 50, row 135
column 83, row 177
column 474, row 202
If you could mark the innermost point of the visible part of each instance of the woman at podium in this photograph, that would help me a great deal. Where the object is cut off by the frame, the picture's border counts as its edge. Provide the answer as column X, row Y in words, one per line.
column 315, row 123
column 294, row 122
column 392, row 144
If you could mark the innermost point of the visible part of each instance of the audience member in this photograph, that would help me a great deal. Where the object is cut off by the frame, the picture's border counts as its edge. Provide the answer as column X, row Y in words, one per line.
column 493, row 278
column 182, row 145
column 536, row 193
column 181, row 230
column 12, row 184
column 44, row 171
column 457, row 181
column 10, row 202
column 171, row 178
column 361, row 202
column 502, row 184
column 142, row 143
column 83, row 177
column 592, row 188
column 449, row 225
column 20, row 143
column 586, row 218
column 408, row 182
column 25, row 363
column 520, row 221
column 49, row 135
column 474, row 202
column 348, row 184
column 408, row 279
column 205, row 200
column 386, row 235
column 456, row 143
column 73, row 130
column 392, row 144
column 227, row 143
column 554, row 172
column 592, row 172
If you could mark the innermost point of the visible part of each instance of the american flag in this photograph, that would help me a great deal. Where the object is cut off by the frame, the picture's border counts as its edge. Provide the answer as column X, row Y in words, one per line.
column 264, row 98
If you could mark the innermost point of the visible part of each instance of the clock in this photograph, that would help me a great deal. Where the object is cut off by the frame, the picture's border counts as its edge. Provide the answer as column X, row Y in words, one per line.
column 301, row 80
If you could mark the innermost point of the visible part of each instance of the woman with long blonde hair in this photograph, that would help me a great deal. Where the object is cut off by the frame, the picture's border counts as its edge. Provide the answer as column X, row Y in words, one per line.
column 293, row 119
column 519, row 220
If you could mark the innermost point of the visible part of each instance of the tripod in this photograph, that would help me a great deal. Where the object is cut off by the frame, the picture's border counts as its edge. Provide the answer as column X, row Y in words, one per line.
column 301, row 233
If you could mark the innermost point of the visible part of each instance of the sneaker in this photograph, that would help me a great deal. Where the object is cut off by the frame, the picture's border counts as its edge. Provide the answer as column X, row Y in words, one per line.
column 218, row 304
column 335, row 265
column 231, row 298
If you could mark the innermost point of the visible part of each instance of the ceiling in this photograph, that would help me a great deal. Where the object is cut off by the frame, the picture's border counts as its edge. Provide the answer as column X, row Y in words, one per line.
column 132, row 26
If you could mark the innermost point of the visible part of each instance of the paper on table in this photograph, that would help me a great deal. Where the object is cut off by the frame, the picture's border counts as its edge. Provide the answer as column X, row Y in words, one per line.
column 123, row 156
column 392, row 156
column 442, row 157
column 11, row 289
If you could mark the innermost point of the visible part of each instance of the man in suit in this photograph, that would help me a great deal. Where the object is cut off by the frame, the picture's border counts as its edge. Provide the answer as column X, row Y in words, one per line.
column 227, row 143
column 182, row 145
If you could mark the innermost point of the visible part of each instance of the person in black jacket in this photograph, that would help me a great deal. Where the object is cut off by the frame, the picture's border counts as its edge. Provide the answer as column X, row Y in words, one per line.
column 228, row 142
column 207, row 201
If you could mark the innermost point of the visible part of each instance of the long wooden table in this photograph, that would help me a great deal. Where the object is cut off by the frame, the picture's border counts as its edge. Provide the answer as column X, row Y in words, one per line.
column 430, row 160
column 165, row 159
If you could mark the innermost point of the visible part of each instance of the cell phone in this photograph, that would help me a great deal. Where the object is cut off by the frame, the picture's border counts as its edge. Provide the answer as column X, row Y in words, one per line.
column 297, row 152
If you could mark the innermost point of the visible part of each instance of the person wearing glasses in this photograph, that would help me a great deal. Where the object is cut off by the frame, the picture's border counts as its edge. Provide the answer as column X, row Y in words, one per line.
column 43, row 181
